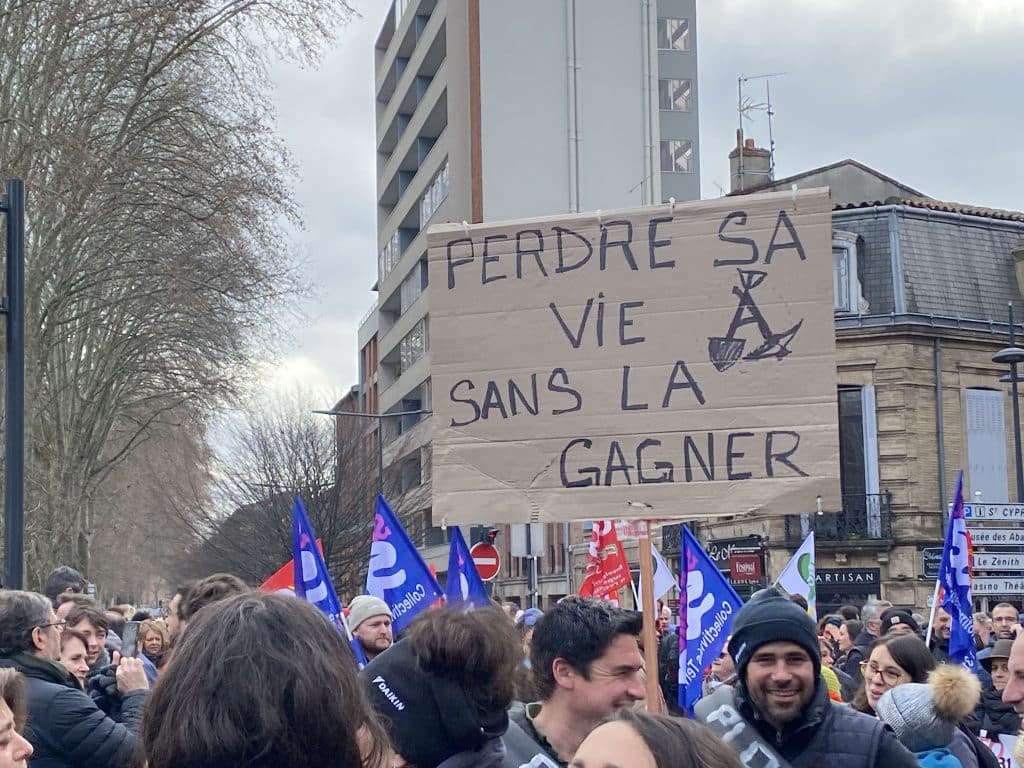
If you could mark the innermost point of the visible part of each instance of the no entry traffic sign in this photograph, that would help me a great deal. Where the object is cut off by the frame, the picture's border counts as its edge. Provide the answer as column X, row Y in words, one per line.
column 486, row 559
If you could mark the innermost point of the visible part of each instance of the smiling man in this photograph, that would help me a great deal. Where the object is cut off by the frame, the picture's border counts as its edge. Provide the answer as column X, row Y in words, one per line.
column 586, row 665
column 779, row 707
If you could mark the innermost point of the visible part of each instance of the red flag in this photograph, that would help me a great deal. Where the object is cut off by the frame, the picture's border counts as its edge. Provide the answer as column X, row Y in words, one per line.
column 607, row 568
column 284, row 577
column 440, row 601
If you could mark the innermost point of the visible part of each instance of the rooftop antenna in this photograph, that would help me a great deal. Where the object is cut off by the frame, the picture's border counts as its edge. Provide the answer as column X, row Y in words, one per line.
column 745, row 107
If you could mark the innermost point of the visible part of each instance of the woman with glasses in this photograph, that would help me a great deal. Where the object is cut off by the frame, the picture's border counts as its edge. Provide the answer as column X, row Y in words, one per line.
column 901, row 659
column 892, row 662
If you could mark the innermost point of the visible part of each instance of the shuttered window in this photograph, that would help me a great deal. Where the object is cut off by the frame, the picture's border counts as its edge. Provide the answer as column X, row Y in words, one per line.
column 986, row 446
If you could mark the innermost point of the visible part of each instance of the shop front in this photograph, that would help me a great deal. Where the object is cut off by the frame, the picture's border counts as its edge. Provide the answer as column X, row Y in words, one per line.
column 846, row 586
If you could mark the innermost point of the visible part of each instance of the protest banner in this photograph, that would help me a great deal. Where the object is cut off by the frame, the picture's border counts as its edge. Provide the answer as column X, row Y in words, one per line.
column 687, row 349
column 1002, row 748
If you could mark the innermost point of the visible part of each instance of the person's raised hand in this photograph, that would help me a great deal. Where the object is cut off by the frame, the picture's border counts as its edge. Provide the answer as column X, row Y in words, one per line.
column 131, row 676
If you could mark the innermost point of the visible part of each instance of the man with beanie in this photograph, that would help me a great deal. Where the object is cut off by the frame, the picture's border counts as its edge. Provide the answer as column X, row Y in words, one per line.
column 369, row 621
column 899, row 622
column 780, row 709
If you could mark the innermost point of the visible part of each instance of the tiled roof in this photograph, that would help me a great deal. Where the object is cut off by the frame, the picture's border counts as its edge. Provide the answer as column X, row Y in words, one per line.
column 784, row 182
column 944, row 267
column 938, row 205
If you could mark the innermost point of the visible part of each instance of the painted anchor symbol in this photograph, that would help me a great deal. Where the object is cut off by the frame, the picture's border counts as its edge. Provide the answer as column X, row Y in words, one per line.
column 725, row 351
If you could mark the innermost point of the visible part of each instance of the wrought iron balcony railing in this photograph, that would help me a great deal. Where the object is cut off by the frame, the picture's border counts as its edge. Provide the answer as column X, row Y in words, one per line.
column 864, row 517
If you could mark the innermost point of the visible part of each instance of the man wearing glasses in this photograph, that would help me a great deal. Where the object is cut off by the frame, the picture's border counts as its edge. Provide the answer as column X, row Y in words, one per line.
column 65, row 727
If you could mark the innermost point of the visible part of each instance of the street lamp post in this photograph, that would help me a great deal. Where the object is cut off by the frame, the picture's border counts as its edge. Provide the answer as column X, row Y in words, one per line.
column 1013, row 356
column 380, row 433
column 12, row 206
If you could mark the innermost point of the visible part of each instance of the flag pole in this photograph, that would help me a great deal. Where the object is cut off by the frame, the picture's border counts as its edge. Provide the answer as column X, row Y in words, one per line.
column 931, row 617
column 655, row 702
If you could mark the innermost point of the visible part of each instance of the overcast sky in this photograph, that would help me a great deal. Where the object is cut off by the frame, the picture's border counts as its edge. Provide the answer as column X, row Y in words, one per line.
column 925, row 91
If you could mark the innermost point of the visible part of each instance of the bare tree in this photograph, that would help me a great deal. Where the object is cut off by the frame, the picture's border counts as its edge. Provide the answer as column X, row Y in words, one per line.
column 158, row 200
column 278, row 449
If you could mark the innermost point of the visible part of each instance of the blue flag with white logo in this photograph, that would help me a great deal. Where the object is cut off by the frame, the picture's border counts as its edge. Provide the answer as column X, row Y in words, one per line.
column 312, row 581
column 464, row 587
column 708, row 604
column 397, row 573
column 955, row 578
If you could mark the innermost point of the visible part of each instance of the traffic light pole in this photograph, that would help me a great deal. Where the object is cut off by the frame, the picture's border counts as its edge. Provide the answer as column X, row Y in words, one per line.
column 12, row 205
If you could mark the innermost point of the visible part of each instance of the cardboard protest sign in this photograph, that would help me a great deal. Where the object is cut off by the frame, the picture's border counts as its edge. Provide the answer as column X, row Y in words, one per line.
column 1002, row 748
column 684, row 358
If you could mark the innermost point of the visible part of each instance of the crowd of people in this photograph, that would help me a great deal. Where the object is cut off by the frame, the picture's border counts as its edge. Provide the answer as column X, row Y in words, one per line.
column 234, row 677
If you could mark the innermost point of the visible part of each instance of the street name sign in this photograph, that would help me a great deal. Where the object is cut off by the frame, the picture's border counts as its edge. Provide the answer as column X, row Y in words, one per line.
column 980, row 512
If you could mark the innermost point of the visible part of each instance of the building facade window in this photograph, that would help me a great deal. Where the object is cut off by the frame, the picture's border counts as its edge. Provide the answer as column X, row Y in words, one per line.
column 675, row 95
column 434, row 196
column 412, row 347
column 389, row 255
column 674, row 34
column 986, row 445
column 411, row 288
column 677, row 156
column 400, row 8
column 858, row 456
column 846, row 287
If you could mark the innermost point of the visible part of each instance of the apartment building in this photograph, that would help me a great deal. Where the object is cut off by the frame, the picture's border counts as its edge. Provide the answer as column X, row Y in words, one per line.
column 488, row 110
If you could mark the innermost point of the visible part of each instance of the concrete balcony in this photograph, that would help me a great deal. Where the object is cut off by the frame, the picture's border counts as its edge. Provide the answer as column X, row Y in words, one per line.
column 392, row 392
column 419, row 436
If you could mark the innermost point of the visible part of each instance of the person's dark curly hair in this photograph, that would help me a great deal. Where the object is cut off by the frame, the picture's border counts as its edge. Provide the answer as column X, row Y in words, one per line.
column 578, row 630
column 477, row 649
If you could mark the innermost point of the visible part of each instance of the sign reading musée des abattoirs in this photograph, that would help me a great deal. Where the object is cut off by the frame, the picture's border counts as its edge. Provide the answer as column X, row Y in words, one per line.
column 681, row 356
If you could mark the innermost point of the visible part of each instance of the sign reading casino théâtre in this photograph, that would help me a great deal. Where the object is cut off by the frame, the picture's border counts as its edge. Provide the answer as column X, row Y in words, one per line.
column 681, row 356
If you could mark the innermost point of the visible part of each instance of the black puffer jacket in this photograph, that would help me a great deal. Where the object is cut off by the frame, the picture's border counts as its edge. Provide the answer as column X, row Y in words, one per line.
column 65, row 727
column 993, row 716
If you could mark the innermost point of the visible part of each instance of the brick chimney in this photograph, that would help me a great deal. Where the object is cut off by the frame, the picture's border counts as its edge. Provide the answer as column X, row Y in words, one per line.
column 756, row 170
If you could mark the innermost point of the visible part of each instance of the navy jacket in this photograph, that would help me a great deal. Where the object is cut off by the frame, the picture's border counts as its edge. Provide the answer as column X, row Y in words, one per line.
column 66, row 728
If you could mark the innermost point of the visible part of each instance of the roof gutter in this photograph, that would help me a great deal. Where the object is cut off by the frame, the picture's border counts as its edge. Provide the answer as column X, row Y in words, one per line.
column 917, row 320
column 928, row 213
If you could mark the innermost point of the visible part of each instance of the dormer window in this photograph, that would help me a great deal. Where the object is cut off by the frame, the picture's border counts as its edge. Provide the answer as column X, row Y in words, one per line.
column 847, row 291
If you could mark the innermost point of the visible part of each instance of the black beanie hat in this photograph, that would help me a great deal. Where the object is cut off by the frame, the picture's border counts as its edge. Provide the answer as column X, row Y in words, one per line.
column 428, row 718
column 771, row 617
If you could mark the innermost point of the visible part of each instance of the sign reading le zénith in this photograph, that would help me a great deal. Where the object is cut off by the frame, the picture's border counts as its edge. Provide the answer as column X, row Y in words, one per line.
column 683, row 357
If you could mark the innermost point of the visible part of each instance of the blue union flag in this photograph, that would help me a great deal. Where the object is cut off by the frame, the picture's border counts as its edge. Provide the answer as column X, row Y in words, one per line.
column 955, row 578
column 707, row 606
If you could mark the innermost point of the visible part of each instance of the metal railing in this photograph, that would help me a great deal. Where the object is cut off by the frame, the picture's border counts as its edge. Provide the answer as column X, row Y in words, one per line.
column 864, row 517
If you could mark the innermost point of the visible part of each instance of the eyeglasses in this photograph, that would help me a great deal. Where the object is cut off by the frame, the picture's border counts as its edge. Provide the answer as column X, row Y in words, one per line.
column 869, row 669
column 60, row 625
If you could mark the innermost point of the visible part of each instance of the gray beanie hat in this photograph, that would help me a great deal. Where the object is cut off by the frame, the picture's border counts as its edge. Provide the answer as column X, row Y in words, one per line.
column 924, row 716
column 908, row 710
column 364, row 607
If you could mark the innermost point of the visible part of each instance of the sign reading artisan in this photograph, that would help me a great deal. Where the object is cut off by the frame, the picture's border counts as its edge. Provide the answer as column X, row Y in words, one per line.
column 688, row 350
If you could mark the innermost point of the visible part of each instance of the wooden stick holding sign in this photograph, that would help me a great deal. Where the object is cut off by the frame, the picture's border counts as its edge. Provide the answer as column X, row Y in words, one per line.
column 655, row 701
